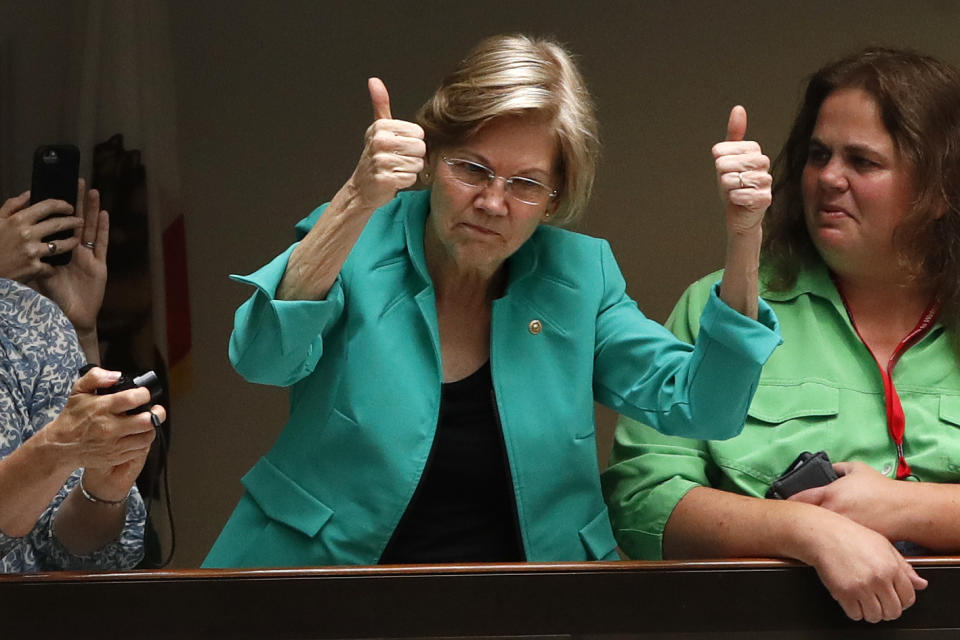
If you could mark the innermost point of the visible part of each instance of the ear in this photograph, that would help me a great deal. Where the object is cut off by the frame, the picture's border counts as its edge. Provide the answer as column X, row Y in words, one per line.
column 551, row 209
column 429, row 171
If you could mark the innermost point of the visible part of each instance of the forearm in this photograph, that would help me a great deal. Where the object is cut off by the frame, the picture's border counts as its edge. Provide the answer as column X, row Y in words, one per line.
column 926, row 513
column 710, row 523
column 83, row 526
column 90, row 344
column 315, row 263
column 739, row 288
column 30, row 478
column 859, row 567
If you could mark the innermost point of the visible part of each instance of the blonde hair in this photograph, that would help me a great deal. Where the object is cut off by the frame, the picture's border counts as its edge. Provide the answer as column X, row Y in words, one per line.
column 519, row 75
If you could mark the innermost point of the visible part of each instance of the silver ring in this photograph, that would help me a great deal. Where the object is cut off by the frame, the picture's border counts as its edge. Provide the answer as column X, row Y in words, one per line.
column 740, row 178
column 51, row 247
column 89, row 245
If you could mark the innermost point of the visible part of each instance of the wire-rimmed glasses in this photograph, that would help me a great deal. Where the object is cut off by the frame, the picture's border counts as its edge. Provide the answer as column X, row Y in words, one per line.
column 474, row 174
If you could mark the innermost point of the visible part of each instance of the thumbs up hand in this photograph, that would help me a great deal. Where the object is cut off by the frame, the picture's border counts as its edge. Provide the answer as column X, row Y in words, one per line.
column 393, row 153
column 743, row 175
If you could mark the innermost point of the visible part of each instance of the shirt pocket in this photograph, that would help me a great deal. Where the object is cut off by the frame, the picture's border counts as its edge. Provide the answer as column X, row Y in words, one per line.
column 775, row 405
column 782, row 422
column 950, row 409
column 945, row 465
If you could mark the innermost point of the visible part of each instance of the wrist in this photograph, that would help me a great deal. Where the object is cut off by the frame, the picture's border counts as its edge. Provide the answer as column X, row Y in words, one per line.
column 96, row 489
column 90, row 344
column 805, row 530
column 54, row 456
column 909, row 509
column 349, row 202
column 99, row 499
column 86, row 332
column 747, row 241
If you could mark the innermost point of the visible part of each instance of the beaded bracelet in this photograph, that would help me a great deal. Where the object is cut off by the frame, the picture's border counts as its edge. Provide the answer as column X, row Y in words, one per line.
column 94, row 499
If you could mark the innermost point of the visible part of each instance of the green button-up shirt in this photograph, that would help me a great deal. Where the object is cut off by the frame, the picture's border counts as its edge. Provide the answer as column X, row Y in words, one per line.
column 820, row 390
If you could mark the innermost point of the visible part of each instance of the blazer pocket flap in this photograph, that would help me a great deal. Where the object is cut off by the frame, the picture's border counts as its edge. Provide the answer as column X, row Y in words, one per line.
column 776, row 404
column 284, row 500
column 597, row 537
column 950, row 409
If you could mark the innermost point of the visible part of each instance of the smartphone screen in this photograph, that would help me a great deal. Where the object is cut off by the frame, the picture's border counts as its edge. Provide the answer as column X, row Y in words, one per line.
column 56, row 169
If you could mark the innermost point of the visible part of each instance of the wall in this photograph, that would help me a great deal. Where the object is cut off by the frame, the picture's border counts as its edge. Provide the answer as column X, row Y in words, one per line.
column 272, row 105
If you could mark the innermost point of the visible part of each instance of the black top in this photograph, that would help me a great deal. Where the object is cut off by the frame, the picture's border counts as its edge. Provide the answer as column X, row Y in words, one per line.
column 463, row 509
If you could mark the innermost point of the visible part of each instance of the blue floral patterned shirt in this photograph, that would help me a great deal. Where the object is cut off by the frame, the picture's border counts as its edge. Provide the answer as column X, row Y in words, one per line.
column 39, row 359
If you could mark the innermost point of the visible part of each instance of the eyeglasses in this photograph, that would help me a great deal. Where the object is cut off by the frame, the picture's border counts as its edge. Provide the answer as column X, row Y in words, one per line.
column 473, row 174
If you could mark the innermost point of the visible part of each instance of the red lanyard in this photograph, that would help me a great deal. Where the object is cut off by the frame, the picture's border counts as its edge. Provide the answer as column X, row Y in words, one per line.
column 896, row 421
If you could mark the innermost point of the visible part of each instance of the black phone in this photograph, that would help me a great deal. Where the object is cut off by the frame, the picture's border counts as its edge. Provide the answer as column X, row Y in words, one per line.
column 807, row 471
column 148, row 379
column 56, row 169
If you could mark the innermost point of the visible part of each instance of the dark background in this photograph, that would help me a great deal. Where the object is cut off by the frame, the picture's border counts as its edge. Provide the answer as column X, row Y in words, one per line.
column 271, row 104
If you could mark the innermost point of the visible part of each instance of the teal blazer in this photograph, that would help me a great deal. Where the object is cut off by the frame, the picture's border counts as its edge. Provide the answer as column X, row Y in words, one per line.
column 365, row 375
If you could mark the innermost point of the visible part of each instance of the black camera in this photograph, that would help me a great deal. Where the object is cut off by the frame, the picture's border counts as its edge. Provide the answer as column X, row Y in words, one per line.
column 148, row 380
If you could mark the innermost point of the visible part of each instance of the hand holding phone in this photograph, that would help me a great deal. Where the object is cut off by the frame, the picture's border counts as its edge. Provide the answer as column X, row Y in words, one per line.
column 148, row 380
column 22, row 226
column 56, row 170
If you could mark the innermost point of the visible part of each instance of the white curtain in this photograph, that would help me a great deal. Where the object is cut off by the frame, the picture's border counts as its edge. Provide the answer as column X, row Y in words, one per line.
column 122, row 80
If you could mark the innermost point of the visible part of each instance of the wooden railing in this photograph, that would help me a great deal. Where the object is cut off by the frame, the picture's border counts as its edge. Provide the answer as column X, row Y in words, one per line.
column 716, row 599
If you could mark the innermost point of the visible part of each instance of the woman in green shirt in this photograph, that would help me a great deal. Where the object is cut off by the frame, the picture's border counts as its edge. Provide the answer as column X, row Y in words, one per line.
column 861, row 263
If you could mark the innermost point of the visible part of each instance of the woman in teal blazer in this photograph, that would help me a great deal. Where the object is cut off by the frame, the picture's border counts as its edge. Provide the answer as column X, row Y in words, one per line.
column 445, row 347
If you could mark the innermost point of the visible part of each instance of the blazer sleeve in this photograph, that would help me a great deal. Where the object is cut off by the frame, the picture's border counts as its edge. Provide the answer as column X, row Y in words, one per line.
column 702, row 391
column 279, row 342
column 649, row 473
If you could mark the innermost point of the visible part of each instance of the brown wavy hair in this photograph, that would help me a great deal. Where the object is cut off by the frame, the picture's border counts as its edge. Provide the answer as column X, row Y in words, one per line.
column 520, row 75
column 919, row 101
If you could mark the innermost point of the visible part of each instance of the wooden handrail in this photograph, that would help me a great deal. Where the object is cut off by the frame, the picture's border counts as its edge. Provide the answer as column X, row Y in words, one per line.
column 692, row 599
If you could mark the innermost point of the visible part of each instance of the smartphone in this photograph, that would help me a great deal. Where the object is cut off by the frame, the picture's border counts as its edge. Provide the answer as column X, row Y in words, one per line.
column 56, row 169
column 807, row 471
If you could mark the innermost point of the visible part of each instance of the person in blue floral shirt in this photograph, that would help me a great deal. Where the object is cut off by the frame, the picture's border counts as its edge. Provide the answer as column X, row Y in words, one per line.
column 68, row 457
